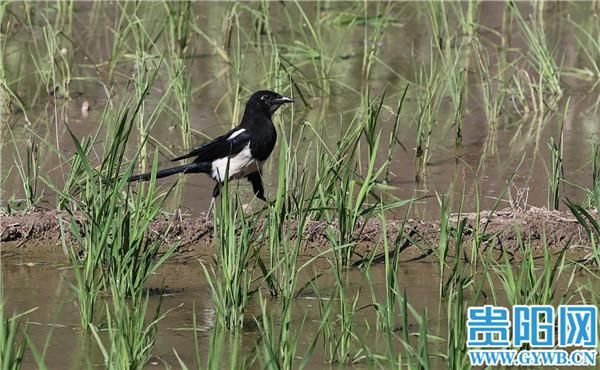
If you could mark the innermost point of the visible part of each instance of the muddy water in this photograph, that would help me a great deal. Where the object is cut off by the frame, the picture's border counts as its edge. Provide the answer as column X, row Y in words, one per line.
column 43, row 283
column 489, row 156
column 30, row 282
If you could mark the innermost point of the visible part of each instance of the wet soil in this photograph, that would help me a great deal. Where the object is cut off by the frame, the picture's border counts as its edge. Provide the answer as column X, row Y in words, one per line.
column 38, row 233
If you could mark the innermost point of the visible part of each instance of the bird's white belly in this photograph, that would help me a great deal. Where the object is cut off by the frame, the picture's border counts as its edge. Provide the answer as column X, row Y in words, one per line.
column 240, row 165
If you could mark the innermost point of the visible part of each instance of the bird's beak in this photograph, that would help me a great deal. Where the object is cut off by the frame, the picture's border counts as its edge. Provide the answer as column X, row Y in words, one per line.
column 282, row 100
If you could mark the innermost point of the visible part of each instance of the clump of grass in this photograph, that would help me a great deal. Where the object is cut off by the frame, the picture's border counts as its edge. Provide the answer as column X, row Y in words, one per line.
column 457, row 305
column 345, row 190
column 373, row 34
column 337, row 319
column 108, row 223
column 29, row 172
column 218, row 355
column 556, row 168
column 130, row 336
column 530, row 283
column 493, row 87
column 452, row 273
column 589, row 45
column 540, row 54
column 417, row 355
column 457, row 334
column 555, row 176
column 591, row 226
column 230, row 282
column 179, row 18
column 278, row 348
column 281, row 269
column 593, row 197
column 51, row 56
column 454, row 60
column 429, row 99
column 12, row 341
column 388, row 310
column 115, row 251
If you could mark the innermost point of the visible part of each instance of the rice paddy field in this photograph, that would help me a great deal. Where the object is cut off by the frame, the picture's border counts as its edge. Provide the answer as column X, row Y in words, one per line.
column 438, row 156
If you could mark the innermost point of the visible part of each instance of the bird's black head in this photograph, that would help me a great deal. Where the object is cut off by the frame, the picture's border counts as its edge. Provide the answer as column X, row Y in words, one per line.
column 266, row 101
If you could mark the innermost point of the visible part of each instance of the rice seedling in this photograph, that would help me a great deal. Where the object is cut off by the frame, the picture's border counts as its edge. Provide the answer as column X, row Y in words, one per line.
column 393, row 140
column 345, row 190
column 417, row 356
column 387, row 310
column 278, row 349
column 555, row 175
column 281, row 269
column 589, row 45
column 108, row 223
column 593, row 194
column 456, row 277
column 179, row 18
column 376, row 28
column 591, row 226
column 263, row 39
column 309, row 49
column 179, row 37
column 456, row 351
column 337, row 314
column 179, row 15
column 455, row 60
column 528, row 283
column 556, row 168
column 131, row 336
column 10, row 102
column 142, row 74
column 230, row 284
column 396, row 318
column 51, row 55
column 29, row 172
column 456, row 307
column 223, row 350
column 12, row 337
column 429, row 99
column 540, row 54
column 444, row 242
column 493, row 87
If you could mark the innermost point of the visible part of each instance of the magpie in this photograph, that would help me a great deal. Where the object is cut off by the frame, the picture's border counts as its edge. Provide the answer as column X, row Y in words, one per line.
column 240, row 152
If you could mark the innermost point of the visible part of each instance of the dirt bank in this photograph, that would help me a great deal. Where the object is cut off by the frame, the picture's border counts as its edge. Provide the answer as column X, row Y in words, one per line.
column 38, row 232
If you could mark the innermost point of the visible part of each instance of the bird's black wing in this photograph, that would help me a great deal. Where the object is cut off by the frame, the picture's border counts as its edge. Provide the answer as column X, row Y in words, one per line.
column 231, row 143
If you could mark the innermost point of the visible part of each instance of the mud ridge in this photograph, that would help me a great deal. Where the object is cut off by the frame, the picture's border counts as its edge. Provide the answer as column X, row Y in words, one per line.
column 39, row 230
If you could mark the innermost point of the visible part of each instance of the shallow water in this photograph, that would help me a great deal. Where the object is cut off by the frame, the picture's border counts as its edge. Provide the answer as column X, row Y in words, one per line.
column 30, row 283
column 43, row 283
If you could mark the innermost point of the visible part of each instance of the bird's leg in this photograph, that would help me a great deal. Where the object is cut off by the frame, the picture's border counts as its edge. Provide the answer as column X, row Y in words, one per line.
column 210, row 207
column 257, row 185
column 216, row 192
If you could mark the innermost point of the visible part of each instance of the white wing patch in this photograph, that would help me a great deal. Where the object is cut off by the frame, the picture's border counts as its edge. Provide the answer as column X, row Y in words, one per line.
column 236, row 133
column 240, row 165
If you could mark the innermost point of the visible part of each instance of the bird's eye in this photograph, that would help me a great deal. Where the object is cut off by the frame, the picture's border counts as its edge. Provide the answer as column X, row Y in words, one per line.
column 263, row 98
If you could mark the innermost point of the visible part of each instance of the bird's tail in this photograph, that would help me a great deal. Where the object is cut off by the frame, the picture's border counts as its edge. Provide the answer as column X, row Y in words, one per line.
column 186, row 168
